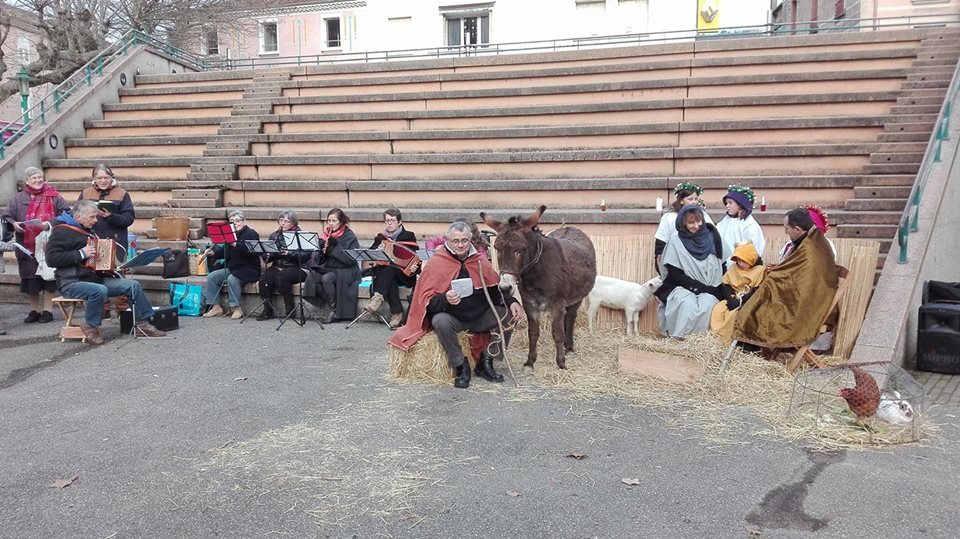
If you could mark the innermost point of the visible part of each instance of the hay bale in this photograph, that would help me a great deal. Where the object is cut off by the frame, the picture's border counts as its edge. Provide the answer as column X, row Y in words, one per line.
column 426, row 361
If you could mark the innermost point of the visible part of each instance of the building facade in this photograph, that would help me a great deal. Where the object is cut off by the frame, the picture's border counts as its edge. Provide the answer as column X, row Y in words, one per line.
column 19, row 49
column 303, row 29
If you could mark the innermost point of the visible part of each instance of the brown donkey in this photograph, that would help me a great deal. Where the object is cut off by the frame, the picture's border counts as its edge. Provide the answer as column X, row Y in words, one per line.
column 554, row 274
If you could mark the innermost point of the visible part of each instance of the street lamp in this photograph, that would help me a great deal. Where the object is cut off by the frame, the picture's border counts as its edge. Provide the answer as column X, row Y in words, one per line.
column 23, row 79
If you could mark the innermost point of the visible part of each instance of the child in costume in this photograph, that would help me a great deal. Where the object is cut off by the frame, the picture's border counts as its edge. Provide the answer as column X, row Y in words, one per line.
column 738, row 284
column 738, row 225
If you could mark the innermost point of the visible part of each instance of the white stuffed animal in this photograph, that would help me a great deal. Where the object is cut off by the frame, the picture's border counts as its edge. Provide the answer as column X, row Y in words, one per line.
column 629, row 297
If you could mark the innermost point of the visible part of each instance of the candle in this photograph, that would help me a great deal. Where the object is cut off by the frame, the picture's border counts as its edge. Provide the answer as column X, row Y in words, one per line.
column 603, row 205
column 763, row 203
column 659, row 204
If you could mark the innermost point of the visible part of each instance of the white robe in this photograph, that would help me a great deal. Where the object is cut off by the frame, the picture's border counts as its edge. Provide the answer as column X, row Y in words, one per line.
column 686, row 312
column 667, row 229
column 735, row 231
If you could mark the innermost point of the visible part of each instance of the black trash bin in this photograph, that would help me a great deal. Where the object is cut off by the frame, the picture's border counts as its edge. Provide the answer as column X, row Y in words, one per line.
column 938, row 328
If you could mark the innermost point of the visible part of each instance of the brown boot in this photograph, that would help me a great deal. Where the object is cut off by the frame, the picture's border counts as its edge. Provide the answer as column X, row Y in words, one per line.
column 92, row 334
column 395, row 320
column 146, row 329
column 376, row 301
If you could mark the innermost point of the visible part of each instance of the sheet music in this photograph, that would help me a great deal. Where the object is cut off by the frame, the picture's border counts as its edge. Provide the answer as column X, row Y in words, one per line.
column 463, row 287
column 20, row 248
column 144, row 257
column 298, row 240
column 262, row 246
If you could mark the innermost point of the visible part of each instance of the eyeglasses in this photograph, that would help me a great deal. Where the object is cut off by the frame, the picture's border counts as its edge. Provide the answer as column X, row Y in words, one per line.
column 463, row 241
column 390, row 220
column 283, row 220
column 236, row 221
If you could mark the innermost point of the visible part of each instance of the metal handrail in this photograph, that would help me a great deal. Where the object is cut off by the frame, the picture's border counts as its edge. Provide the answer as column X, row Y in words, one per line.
column 909, row 220
column 581, row 43
column 83, row 76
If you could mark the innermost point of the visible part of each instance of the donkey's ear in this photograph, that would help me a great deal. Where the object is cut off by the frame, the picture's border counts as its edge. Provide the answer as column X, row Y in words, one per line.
column 490, row 221
column 534, row 217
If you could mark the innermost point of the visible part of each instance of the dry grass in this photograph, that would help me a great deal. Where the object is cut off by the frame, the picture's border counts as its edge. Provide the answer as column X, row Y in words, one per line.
column 723, row 404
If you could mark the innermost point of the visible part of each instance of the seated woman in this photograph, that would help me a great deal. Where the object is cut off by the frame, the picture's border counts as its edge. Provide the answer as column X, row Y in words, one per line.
column 284, row 269
column 739, row 283
column 387, row 279
column 685, row 193
column 693, row 266
column 242, row 267
column 738, row 226
column 339, row 274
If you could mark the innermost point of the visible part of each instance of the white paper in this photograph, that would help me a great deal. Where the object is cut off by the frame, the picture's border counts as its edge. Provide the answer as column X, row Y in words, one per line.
column 463, row 287
column 21, row 248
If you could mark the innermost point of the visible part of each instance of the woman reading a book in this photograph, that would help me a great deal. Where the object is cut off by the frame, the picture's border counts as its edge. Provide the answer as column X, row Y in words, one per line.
column 114, row 208
column 30, row 212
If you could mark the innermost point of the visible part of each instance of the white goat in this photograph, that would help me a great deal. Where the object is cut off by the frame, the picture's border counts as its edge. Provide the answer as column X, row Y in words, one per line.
column 627, row 296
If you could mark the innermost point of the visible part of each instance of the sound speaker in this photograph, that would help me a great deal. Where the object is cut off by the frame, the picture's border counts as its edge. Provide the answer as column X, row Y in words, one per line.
column 938, row 338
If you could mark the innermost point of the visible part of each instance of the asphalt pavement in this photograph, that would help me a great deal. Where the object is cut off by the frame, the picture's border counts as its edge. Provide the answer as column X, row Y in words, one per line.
column 224, row 429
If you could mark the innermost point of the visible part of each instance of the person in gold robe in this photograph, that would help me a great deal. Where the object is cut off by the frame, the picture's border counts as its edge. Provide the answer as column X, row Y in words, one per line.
column 738, row 285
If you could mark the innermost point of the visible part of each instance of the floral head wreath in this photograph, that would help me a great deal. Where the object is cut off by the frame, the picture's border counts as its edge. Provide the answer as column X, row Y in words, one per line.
column 743, row 190
column 819, row 217
column 687, row 186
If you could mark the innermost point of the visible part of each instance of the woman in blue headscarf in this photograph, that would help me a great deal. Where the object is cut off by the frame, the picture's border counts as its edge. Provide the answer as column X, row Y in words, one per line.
column 694, row 269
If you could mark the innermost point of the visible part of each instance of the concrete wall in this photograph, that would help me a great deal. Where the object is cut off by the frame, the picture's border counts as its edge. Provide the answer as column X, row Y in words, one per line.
column 889, row 332
column 38, row 144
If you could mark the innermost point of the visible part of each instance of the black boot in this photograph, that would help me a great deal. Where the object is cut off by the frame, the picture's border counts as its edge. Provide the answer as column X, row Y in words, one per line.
column 287, row 304
column 485, row 369
column 462, row 380
column 267, row 313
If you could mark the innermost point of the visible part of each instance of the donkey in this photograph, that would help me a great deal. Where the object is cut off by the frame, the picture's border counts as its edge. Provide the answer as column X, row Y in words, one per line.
column 554, row 273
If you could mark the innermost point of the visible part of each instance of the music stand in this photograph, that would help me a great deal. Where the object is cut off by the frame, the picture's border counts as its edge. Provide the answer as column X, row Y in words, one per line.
column 222, row 232
column 263, row 247
column 367, row 255
column 300, row 242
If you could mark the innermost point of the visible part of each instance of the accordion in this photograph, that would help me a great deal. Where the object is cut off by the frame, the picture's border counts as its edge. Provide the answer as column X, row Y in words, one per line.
column 105, row 258
column 403, row 255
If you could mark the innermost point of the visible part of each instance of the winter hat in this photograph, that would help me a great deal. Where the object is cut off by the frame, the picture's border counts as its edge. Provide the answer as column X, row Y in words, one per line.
column 742, row 195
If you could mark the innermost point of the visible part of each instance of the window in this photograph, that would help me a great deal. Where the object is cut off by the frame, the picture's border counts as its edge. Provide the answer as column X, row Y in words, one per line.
column 841, row 10
column 467, row 31
column 332, row 27
column 211, row 40
column 268, row 37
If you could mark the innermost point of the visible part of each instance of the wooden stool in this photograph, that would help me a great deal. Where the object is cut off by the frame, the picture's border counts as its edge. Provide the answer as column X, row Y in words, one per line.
column 68, row 307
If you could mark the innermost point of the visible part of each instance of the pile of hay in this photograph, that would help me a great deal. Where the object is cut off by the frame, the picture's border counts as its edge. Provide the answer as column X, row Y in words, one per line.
column 724, row 403
column 426, row 361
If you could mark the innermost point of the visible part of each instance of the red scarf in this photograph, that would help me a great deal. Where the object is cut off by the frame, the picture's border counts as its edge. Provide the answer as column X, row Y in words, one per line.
column 327, row 234
column 41, row 207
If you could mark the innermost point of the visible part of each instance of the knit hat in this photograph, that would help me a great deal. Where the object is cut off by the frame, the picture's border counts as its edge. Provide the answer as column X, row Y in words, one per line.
column 818, row 216
column 742, row 195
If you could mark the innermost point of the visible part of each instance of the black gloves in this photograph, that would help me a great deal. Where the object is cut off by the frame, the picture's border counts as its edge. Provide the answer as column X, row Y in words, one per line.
column 732, row 304
column 713, row 291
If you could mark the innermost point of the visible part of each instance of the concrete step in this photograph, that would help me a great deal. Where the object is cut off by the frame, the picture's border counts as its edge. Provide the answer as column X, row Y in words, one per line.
column 882, row 192
column 251, row 109
column 943, row 77
column 896, row 157
column 208, row 194
column 892, row 168
column 229, row 144
column 924, row 85
column 905, row 136
column 868, row 231
column 915, row 109
column 211, row 177
column 213, row 167
column 199, row 203
column 900, row 127
column 875, row 204
column 919, row 100
column 239, row 130
column 207, row 152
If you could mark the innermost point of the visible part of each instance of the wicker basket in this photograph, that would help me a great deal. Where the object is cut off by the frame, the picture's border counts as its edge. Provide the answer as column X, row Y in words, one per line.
column 172, row 227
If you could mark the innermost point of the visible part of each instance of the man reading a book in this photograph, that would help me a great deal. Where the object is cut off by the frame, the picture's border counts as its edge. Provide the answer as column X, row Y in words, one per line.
column 67, row 251
column 450, row 297
column 114, row 208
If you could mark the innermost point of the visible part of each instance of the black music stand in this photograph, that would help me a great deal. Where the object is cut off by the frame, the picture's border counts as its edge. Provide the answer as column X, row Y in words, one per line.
column 264, row 247
column 301, row 242
column 367, row 255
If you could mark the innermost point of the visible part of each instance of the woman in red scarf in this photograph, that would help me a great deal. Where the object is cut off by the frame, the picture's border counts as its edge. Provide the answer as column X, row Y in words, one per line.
column 30, row 213
column 339, row 274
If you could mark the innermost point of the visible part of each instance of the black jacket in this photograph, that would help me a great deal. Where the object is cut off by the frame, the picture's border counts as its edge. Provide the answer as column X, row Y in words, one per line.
column 64, row 254
column 242, row 264
column 117, row 224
